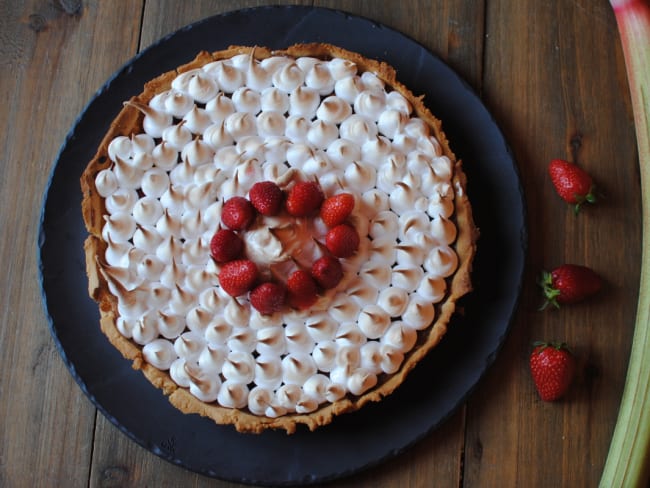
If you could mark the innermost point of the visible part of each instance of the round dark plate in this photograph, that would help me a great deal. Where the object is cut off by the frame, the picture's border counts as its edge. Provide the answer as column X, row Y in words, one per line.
column 353, row 441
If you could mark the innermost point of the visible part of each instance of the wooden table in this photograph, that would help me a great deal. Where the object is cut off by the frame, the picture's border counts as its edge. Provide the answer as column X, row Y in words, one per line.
column 552, row 74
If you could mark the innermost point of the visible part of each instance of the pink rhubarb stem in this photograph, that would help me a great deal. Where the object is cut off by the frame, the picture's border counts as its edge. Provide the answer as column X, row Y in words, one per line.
column 628, row 460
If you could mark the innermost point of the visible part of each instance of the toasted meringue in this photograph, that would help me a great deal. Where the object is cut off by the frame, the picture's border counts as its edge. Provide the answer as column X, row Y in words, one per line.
column 419, row 313
column 142, row 161
column 358, row 128
column 239, row 367
column 272, row 341
column 120, row 226
column 297, row 368
column 373, row 321
column 227, row 76
column 370, row 104
column 241, row 124
column 442, row 261
column 303, row 101
column 219, row 107
column 106, row 183
column 288, row 77
column 121, row 147
column 233, row 394
column 274, row 99
column 342, row 152
column 211, row 359
column 268, row 371
column 177, row 136
column 155, row 121
column 271, row 123
column 320, row 78
column 159, row 353
column 400, row 336
column 393, row 300
column 348, row 88
column 246, row 100
column 121, row 200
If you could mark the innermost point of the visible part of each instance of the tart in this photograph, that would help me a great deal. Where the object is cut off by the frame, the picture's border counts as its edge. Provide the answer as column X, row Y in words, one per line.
column 189, row 311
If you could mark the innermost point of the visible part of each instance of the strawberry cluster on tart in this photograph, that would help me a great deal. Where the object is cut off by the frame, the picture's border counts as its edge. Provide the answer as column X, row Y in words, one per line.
column 276, row 237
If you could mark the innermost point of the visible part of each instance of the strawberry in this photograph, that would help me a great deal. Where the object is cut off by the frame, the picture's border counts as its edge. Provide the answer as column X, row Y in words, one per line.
column 304, row 198
column 342, row 241
column 327, row 271
column 302, row 291
column 238, row 276
column 336, row 209
column 268, row 297
column 266, row 197
column 237, row 213
column 568, row 284
column 552, row 366
column 572, row 183
column 225, row 245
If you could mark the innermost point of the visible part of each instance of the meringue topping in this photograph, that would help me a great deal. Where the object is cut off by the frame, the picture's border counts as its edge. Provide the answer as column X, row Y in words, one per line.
column 288, row 77
column 155, row 121
column 213, row 134
column 106, row 183
column 246, row 100
column 177, row 136
column 228, row 77
column 178, row 103
column 303, row 101
column 219, row 107
column 120, row 147
column 159, row 353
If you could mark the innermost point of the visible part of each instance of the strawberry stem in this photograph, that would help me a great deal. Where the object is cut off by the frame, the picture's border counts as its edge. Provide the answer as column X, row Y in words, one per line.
column 550, row 292
column 554, row 344
column 590, row 197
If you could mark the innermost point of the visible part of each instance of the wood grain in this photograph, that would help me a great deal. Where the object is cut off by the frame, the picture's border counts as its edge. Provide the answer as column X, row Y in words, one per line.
column 556, row 87
column 551, row 107
column 46, row 82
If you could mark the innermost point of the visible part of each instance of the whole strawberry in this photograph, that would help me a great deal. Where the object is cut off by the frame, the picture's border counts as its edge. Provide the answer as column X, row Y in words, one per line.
column 268, row 297
column 553, row 367
column 568, row 284
column 237, row 213
column 336, row 209
column 342, row 241
column 238, row 277
column 266, row 197
column 304, row 198
column 327, row 271
column 225, row 246
column 574, row 185
column 302, row 290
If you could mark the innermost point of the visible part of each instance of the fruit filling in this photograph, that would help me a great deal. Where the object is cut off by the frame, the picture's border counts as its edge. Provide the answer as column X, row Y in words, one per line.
column 304, row 207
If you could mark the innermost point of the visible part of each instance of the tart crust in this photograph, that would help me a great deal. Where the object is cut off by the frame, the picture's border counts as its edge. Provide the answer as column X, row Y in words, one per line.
column 129, row 121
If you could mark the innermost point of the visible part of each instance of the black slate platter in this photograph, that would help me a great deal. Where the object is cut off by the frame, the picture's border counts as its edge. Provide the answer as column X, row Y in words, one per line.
column 354, row 441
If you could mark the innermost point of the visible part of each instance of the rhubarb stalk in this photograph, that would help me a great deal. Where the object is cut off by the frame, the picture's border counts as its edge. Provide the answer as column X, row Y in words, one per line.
column 628, row 460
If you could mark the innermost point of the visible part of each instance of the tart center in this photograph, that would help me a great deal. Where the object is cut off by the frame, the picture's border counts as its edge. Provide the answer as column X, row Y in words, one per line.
column 284, row 247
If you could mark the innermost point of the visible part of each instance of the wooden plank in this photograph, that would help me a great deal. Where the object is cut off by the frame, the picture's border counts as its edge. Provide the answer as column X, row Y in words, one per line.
column 436, row 457
column 547, row 83
column 162, row 18
column 47, row 427
column 451, row 30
